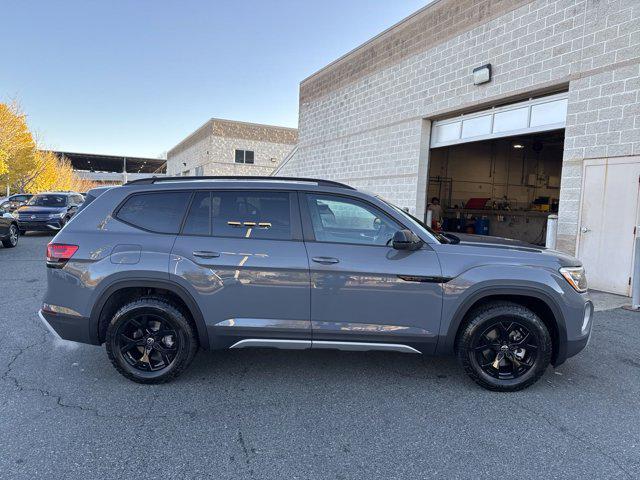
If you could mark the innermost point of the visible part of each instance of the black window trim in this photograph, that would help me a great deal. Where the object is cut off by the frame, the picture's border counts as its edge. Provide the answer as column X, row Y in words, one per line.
column 307, row 224
column 186, row 215
column 244, row 156
column 295, row 217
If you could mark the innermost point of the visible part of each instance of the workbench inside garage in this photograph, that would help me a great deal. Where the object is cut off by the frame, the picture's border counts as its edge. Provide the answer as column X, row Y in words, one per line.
column 525, row 225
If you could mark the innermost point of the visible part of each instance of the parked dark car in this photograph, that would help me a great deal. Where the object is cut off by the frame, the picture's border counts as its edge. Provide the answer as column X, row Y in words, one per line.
column 157, row 268
column 9, row 232
column 48, row 211
column 13, row 202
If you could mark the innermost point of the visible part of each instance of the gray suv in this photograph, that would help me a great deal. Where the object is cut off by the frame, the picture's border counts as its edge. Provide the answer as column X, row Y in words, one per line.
column 158, row 268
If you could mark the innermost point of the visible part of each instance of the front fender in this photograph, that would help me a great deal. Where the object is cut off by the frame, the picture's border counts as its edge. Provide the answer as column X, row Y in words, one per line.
column 461, row 293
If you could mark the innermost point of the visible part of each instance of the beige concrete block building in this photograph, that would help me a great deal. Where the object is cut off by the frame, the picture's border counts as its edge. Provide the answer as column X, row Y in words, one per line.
column 549, row 120
column 226, row 147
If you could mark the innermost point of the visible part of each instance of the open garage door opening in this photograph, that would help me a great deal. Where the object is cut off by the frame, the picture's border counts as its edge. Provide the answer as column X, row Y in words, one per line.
column 504, row 187
column 497, row 171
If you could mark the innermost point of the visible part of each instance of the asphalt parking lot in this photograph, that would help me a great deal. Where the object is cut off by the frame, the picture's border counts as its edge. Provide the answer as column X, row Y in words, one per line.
column 66, row 413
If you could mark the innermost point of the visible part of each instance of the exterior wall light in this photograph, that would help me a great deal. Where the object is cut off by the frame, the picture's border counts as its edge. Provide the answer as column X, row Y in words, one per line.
column 482, row 74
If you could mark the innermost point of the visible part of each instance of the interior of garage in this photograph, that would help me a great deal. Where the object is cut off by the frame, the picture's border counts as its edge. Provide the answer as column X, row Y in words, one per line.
column 503, row 187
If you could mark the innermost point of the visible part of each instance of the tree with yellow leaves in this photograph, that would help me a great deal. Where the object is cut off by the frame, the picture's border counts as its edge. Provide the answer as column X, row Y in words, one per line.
column 25, row 168
column 17, row 146
column 56, row 173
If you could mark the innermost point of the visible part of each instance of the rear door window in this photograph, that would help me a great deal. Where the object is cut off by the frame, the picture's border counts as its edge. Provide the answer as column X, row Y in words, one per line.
column 240, row 214
column 252, row 214
column 160, row 212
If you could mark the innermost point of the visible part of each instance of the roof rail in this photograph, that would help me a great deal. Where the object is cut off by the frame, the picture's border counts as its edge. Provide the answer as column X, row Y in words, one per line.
column 325, row 183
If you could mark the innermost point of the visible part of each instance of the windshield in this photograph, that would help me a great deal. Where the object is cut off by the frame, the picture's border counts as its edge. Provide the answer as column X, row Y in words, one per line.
column 439, row 237
column 48, row 201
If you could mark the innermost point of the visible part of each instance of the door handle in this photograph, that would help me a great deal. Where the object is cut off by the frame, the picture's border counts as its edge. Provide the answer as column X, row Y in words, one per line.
column 585, row 229
column 205, row 254
column 325, row 260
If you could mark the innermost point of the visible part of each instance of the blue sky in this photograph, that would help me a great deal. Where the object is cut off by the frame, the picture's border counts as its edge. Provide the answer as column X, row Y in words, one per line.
column 134, row 77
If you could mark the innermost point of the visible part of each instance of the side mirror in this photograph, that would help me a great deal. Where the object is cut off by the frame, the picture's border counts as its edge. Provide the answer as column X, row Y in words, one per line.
column 406, row 240
column 452, row 238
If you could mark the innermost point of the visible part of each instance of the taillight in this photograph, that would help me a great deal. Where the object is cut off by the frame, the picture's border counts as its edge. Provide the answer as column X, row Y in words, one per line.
column 58, row 254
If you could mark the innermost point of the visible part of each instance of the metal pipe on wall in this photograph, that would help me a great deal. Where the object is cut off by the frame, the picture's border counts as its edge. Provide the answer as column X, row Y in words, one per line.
column 552, row 232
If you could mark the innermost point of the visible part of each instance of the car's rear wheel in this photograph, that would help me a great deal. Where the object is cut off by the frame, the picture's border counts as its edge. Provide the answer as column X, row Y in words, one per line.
column 12, row 239
column 504, row 347
column 150, row 341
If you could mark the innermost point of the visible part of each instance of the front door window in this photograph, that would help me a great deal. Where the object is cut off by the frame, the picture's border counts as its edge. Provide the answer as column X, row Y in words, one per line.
column 346, row 220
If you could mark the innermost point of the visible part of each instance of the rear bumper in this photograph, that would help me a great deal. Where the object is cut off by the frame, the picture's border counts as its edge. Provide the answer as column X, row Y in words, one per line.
column 67, row 327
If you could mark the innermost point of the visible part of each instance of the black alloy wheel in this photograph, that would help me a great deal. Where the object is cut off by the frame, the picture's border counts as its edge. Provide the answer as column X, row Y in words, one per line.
column 504, row 346
column 505, row 350
column 147, row 342
column 150, row 340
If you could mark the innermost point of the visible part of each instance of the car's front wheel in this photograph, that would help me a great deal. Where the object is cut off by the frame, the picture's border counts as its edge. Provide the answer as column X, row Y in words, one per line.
column 12, row 239
column 504, row 347
column 150, row 340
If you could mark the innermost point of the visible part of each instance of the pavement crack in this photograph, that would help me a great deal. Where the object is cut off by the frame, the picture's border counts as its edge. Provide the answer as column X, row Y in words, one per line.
column 557, row 426
column 246, row 452
column 14, row 358
column 7, row 376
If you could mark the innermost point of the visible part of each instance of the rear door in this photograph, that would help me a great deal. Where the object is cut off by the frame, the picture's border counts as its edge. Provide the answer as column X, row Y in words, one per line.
column 241, row 252
column 363, row 290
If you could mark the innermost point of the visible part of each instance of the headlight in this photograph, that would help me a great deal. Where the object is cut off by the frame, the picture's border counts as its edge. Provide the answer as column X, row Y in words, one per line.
column 56, row 215
column 15, row 215
column 576, row 277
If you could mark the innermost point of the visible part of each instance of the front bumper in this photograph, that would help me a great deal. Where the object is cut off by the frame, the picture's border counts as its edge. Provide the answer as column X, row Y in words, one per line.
column 579, row 333
column 40, row 225
column 66, row 327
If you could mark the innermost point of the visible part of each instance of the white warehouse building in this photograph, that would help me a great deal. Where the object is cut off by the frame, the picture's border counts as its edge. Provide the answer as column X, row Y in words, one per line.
column 228, row 147
column 505, row 110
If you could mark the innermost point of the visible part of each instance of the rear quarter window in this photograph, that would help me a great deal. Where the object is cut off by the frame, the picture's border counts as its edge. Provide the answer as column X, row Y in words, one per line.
column 159, row 212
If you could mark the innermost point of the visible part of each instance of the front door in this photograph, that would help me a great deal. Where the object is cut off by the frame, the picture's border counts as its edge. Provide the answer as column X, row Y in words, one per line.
column 362, row 290
column 607, row 223
column 242, row 254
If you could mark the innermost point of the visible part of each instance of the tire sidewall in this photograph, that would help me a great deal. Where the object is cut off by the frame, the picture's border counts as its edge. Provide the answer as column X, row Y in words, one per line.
column 7, row 242
column 481, row 322
column 169, row 313
column 15, row 229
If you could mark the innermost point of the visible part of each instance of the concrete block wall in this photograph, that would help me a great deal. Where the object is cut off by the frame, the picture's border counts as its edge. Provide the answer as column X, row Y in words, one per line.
column 213, row 147
column 380, row 160
column 193, row 155
column 422, row 69
column 603, row 116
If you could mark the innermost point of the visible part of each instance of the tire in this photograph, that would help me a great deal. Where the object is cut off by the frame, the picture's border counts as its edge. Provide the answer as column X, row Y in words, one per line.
column 504, row 347
column 171, row 349
column 12, row 239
